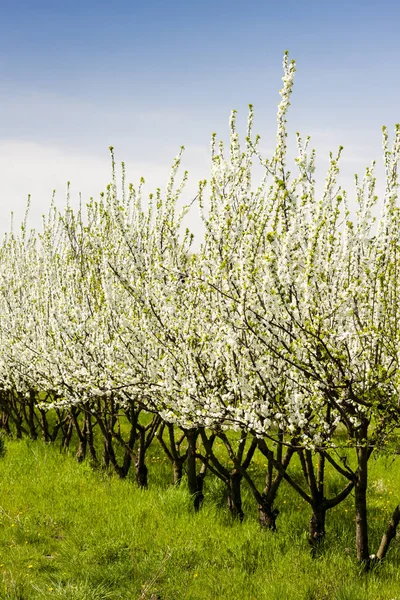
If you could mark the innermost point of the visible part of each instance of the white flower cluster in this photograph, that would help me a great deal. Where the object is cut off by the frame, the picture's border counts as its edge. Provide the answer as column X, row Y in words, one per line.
column 286, row 318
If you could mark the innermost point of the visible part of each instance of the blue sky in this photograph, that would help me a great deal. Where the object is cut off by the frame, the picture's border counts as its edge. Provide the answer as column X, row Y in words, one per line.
column 148, row 77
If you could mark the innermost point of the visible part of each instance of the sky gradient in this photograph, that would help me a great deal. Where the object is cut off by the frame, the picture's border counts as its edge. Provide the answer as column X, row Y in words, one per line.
column 149, row 77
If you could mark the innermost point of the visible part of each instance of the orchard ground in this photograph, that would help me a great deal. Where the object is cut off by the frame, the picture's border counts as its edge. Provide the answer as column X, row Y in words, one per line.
column 68, row 531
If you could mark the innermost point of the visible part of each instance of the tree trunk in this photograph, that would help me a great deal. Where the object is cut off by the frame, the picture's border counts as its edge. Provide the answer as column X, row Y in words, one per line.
column 140, row 465
column 109, row 456
column 178, row 471
column 106, row 456
column 18, row 427
column 31, row 415
column 199, row 496
column 90, row 438
column 191, row 436
column 141, row 474
column 234, row 495
column 141, row 469
column 360, row 491
column 4, row 422
column 129, row 455
column 389, row 534
column 173, row 451
column 68, row 429
column 267, row 514
column 317, row 527
column 82, row 435
column 44, row 425
column 81, row 451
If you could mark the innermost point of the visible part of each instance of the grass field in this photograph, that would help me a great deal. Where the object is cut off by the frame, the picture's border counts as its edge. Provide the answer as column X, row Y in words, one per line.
column 68, row 532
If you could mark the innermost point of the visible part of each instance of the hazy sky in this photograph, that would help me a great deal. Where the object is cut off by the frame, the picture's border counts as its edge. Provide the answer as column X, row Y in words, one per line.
column 148, row 77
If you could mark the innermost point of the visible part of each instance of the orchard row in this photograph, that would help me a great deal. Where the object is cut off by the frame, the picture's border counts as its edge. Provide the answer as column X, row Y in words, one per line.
column 283, row 327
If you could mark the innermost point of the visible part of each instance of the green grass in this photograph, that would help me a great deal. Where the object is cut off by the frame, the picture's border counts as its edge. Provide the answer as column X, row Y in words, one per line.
column 68, row 532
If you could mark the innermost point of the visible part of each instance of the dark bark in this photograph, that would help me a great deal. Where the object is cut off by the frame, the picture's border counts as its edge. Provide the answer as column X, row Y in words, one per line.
column 267, row 514
column 135, row 448
column 199, row 496
column 178, row 472
column 44, row 425
column 86, row 440
column 317, row 527
column 195, row 481
column 107, row 419
column 110, row 458
column 360, row 492
column 191, row 436
column 4, row 422
column 106, row 456
column 315, row 482
column 234, row 495
column 140, row 466
column 15, row 406
column 19, row 429
column 130, row 455
column 173, row 452
column 68, row 429
column 146, row 436
column 61, row 424
column 81, row 451
column 90, row 440
column 81, row 433
column 232, row 477
column 31, row 416
column 276, row 472
column 389, row 534
column 141, row 472
column 314, row 479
